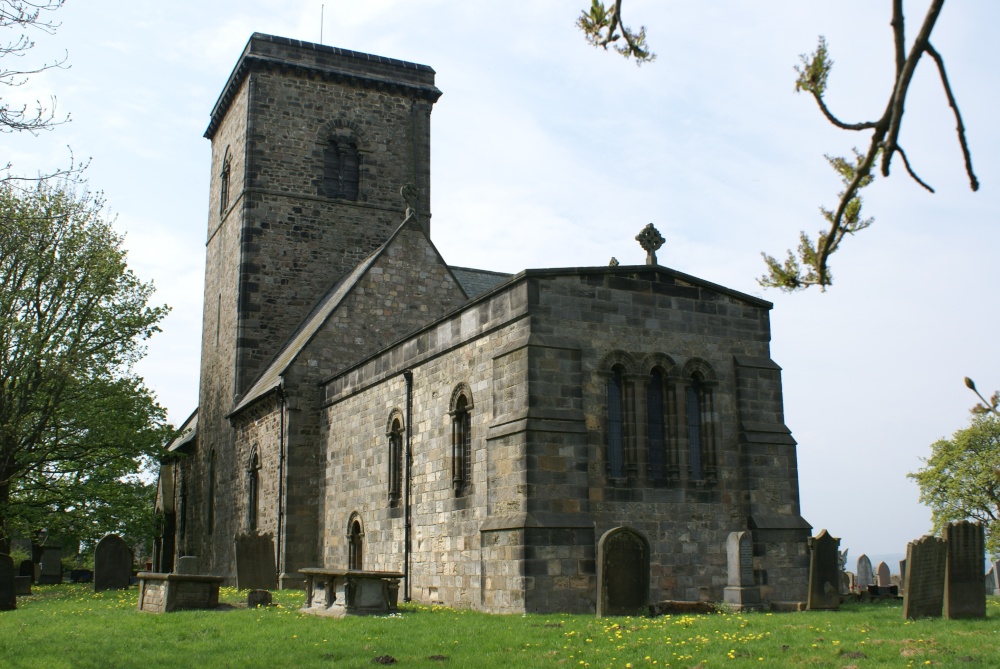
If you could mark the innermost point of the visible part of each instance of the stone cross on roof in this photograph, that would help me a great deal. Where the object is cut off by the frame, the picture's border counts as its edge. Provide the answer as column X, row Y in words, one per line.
column 650, row 240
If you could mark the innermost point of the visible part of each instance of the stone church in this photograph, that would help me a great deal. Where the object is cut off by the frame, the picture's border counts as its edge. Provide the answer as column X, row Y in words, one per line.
column 371, row 406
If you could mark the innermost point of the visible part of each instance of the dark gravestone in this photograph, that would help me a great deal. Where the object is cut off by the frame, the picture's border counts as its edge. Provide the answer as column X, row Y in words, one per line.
column 22, row 586
column 902, row 574
column 112, row 564
column 991, row 582
column 741, row 593
column 963, row 583
column 255, row 568
column 27, row 568
column 865, row 576
column 257, row 598
column 8, row 600
column 824, row 572
column 51, row 565
column 622, row 573
column 923, row 588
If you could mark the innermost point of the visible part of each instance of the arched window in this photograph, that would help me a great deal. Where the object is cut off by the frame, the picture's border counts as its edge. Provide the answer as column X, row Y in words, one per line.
column 341, row 168
column 224, row 183
column 210, row 501
column 616, row 422
column 656, row 426
column 253, row 489
column 700, row 429
column 355, row 544
column 461, row 440
column 395, row 438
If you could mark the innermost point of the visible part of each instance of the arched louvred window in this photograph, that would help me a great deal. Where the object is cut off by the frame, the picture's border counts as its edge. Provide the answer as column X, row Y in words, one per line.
column 395, row 439
column 461, row 445
column 656, row 426
column 341, row 168
column 253, row 490
column 616, row 423
column 224, row 182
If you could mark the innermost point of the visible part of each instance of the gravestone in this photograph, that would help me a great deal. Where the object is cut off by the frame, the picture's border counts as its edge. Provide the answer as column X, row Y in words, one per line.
column 22, row 586
column 883, row 575
column 741, row 594
column 258, row 598
column 112, row 564
column 27, row 568
column 51, row 565
column 963, row 582
column 187, row 565
column 845, row 581
column 622, row 573
column 8, row 600
column 991, row 582
column 865, row 575
column 902, row 574
column 923, row 588
column 255, row 568
column 995, row 570
column 824, row 572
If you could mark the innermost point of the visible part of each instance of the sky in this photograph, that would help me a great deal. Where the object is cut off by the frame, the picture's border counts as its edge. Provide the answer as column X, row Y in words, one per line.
column 547, row 152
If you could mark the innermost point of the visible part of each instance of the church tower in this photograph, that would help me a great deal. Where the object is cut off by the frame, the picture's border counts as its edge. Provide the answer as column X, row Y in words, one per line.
column 310, row 147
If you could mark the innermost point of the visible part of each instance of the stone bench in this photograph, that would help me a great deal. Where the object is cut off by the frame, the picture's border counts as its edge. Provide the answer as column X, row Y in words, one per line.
column 340, row 592
column 163, row 593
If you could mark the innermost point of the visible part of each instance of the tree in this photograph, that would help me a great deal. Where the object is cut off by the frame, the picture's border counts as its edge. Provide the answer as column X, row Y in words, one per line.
column 73, row 317
column 959, row 481
column 809, row 265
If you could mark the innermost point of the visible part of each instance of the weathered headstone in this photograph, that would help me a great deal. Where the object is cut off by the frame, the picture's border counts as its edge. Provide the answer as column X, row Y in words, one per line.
column 923, row 588
column 27, row 568
column 741, row 594
column 865, row 575
column 187, row 565
column 991, row 582
column 256, row 598
column 824, row 572
column 902, row 574
column 51, row 565
column 622, row 573
column 112, row 564
column 845, row 581
column 8, row 600
column 22, row 586
column 963, row 584
column 883, row 575
column 995, row 570
column 255, row 568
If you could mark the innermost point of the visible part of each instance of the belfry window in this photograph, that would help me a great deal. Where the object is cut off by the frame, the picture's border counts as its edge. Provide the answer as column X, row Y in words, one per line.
column 656, row 432
column 253, row 490
column 700, row 430
column 461, row 445
column 224, row 183
column 341, row 169
column 616, row 423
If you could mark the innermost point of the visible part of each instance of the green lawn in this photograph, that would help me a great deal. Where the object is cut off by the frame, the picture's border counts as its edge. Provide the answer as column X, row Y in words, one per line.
column 71, row 626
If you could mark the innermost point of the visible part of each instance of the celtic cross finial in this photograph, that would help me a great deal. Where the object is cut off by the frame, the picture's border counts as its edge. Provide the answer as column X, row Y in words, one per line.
column 411, row 197
column 650, row 240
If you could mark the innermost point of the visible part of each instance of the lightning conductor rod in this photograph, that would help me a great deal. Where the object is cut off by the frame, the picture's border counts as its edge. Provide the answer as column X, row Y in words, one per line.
column 321, row 8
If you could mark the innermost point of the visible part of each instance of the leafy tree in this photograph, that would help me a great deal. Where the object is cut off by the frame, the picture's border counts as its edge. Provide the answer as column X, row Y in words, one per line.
column 603, row 27
column 959, row 481
column 73, row 316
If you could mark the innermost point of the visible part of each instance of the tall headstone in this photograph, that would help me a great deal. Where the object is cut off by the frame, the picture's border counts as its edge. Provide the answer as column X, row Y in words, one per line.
column 865, row 575
column 824, row 572
column 963, row 584
column 883, row 575
column 112, row 564
column 622, row 573
column 741, row 593
column 995, row 570
column 923, row 588
column 8, row 600
column 845, row 581
column 902, row 574
column 51, row 565
column 991, row 582
column 255, row 568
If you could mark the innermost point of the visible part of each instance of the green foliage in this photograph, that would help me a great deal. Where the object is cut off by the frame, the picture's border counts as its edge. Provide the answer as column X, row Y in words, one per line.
column 809, row 267
column 77, row 428
column 603, row 27
column 814, row 71
column 961, row 479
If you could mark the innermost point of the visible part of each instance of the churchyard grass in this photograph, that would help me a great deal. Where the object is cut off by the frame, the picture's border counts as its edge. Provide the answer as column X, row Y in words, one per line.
column 71, row 626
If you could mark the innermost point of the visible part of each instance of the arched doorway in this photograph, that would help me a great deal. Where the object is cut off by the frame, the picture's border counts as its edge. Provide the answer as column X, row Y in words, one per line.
column 622, row 573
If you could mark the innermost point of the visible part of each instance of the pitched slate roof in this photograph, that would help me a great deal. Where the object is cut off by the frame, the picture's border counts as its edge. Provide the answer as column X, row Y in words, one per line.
column 477, row 281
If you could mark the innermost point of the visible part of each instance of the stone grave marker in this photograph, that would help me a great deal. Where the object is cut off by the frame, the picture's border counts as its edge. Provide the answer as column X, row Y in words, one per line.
column 8, row 599
column 112, row 564
column 883, row 575
column 51, row 565
column 622, row 573
column 963, row 583
column 187, row 565
column 255, row 568
column 923, row 588
column 741, row 594
column 991, row 582
column 824, row 572
column 27, row 568
column 995, row 570
column 22, row 586
column 865, row 575
column 902, row 574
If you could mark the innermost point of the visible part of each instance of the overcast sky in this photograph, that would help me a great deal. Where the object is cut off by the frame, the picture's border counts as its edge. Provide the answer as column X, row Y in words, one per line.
column 547, row 152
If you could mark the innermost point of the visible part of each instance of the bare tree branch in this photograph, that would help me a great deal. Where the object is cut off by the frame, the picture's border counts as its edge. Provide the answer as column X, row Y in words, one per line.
column 959, row 126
